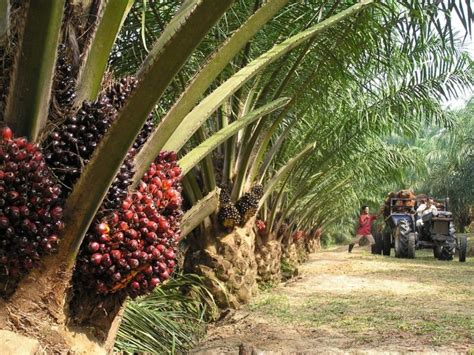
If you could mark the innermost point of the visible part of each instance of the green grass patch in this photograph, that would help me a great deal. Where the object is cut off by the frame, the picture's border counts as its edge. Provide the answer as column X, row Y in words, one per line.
column 441, row 313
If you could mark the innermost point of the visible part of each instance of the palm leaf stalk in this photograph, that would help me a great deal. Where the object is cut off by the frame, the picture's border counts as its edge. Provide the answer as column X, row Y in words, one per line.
column 28, row 102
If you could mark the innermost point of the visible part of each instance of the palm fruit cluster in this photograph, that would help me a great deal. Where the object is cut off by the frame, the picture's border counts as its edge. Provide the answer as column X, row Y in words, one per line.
column 247, row 205
column 283, row 228
column 64, row 81
column 228, row 215
column 30, row 206
column 69, row 146
column 134, row 248
column 257, row 191
column 298, row 235
column 261, row 227
column 405, row 201
column 118, row 93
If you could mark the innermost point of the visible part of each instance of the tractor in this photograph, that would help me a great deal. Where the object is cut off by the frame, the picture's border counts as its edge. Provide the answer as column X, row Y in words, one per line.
column 406, row 236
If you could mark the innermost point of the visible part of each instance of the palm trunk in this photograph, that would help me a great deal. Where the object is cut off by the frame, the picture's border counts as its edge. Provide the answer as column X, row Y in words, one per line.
column 228, row 265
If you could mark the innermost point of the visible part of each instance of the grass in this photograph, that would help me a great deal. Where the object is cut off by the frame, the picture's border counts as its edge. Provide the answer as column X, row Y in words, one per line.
column 425, row 299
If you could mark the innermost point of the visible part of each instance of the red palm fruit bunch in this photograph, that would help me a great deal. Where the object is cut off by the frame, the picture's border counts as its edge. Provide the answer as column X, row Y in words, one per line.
column 261, row 227
column 30, row 206
column 298, row 235
column 134, row 248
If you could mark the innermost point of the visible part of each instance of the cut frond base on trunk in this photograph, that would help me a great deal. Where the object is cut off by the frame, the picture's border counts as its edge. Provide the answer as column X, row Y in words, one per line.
column 228, row 266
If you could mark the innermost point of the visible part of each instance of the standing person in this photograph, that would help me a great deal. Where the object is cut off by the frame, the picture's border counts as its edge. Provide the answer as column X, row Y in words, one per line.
column 364, row 228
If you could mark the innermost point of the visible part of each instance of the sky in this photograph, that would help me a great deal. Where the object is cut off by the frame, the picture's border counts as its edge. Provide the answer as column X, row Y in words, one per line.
column 468, row 47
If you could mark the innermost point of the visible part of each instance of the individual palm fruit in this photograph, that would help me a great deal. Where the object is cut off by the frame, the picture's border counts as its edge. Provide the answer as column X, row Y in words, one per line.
column 229, row 216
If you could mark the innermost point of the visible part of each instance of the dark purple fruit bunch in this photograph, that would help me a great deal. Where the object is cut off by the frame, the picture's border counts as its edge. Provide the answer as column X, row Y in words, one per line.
column 224, row 196
column 118, row 93
column 247, row 205
column 229, row 216
column 64, row 81
column 30, row 206
column 69, row 147
column 257, row 191
column 134, row 248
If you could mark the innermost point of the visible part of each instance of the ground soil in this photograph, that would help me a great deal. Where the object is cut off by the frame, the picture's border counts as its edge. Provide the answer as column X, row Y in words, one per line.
column 356, row 303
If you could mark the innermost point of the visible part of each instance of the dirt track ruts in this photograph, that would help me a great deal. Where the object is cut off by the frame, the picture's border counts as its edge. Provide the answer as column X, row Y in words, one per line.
column 356, row 303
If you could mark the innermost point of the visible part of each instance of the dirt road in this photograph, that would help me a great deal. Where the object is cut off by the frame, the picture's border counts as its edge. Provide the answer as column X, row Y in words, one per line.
column 357, row 303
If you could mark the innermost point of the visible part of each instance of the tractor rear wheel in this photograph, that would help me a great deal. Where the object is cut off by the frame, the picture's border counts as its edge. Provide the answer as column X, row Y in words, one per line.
column 387, row 244
column 378, row 246
column 411, row 246
column 462, row 248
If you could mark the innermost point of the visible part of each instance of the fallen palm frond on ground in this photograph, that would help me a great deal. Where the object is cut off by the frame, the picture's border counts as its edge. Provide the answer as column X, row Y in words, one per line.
column 171, row 319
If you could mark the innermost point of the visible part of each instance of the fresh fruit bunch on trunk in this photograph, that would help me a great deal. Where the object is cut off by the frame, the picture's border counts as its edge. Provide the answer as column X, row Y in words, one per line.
column 228, row 215
column 247, row 205
column 69, row 147
column 134, row 247
column 261, row 227
column 131, row 244
column 298, row 235
column 30, row 207
column 231, row 215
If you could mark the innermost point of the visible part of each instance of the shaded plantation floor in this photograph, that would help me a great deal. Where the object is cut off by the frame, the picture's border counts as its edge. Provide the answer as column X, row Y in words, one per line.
column 357, row 303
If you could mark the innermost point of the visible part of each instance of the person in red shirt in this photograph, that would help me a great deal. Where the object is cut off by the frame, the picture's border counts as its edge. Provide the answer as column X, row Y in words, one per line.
column 364, row 229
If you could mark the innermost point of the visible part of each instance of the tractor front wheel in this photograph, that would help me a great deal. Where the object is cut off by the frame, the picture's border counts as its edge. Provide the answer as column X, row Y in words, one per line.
column 445, row 254
column 402, row 239
column 411, row 246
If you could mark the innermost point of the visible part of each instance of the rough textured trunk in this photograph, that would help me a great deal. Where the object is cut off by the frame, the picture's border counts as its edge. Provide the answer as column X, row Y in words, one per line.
column 268, row 259
column 295, row 253
column 313, row 241
column 290, row 254
column 41, row 310
column 227, row 263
